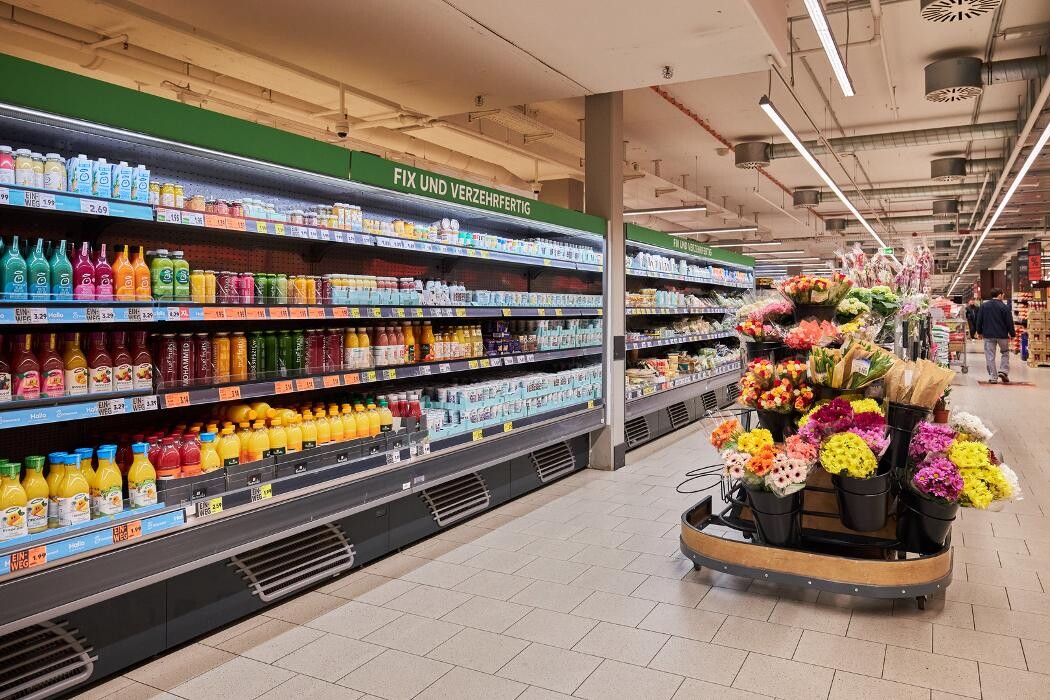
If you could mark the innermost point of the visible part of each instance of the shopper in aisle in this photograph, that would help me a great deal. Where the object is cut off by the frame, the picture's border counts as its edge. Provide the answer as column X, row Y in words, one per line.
column 996, row 326
column 971, row 317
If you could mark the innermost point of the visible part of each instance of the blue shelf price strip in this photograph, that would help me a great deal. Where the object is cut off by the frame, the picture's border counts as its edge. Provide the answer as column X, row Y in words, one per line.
column 676, row 310
column 41, row 415
column 59, row 201
column 641, row 344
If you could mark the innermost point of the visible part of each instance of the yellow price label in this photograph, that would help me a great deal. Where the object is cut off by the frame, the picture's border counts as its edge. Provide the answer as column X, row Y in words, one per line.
column 506, row 312
column 476, row 435
column 546, row 263
column 215, row 505
column 369, row 376
column 260, row 227
column 508, row 426
column 265, row 491
column 418, row 313
column 484, row 254
column 278, row 228
column 377, row 312
column 541, row 312
column 590, row 404
column 461, row 312
column 486, row 363
column 472, row 364
column 600, row 311
column 471, row 253
column 399, row 312
column 355, row 312
column 557, row 312
column 390, row 373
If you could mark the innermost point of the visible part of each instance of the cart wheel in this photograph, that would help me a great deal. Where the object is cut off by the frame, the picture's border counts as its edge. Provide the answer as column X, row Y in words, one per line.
column 965, row 369
column 696, row 567
column 920, row 600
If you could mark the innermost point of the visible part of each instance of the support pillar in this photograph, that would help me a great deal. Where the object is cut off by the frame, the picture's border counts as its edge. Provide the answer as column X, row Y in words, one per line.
column 603, row 196
column 564, row 192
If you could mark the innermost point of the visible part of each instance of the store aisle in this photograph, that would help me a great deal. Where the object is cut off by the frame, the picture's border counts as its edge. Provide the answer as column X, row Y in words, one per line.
column 579, row 590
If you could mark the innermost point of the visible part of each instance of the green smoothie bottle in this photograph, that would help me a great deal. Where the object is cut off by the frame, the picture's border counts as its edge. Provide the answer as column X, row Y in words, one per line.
column 61, row 274
column 39, row 273
column 162, row 276
column 180, row 276
column 13, row 274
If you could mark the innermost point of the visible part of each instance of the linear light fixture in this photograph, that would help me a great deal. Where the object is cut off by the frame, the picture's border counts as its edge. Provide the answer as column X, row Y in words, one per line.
column 788, row 132
column 746, row 245
column 779, row 252
column 737, row 229
column 793, row 260
column 1039, row 144
column 831, row 48
column 666, row 210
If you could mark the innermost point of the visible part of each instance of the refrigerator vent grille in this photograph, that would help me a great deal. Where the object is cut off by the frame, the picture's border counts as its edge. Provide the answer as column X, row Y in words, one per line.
column 553, row 461
column 455, row 500
column 293, row 563
column 710, row 401
column 678, row 415
column 43, row 660
column 636, row 431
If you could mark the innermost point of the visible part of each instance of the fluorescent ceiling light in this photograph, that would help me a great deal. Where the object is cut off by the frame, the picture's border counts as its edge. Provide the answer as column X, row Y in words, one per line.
column 1043, row 138
column 745, row 245
column 777, row 119
column 827, row 40
column 738, row 229
column 667, row 210
column 779, row 252
column 791, row 260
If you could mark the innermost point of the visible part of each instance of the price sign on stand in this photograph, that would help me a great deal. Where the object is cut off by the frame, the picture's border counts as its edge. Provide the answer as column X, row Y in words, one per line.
column 283, row 387
column 307, row 384
column 177, row 400
column 93, row 206
column 39, row 200
column 229, row 393
column 127, row 531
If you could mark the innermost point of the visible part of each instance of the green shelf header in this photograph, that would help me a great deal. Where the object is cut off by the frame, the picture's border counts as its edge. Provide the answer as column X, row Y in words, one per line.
column 685, row 245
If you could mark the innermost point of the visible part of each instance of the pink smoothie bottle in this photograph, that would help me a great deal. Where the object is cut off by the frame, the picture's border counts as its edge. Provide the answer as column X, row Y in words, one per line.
column 84, row 274
column 103, row 276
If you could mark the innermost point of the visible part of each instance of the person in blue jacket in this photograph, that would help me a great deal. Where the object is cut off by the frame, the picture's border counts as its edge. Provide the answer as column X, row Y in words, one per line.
column 995, row 324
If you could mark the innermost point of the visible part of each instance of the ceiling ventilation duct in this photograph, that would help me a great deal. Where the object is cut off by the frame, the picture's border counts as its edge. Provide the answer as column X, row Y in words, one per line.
column 902, row 139
column 944, row 228
column 921, row 192
column 805, row 197
column 955, row 79
column 955, row 169
column 752, row 154
column 956, row 10
column 945, row 208
column 836, row 225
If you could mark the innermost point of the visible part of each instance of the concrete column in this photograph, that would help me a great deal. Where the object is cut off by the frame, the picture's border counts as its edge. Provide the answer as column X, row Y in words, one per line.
column 603, row 137
column 564, row 192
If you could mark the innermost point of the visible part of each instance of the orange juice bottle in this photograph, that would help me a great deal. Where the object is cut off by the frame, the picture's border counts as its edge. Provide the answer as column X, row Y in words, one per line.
column 386, row 417
column 324, row 431
column 106, row 490
column 373, row 420
column 361, row 419
column 335, row 424
column 365, row 358
column 37, row 492
column 410, row 344
column 350, row 349
column 76, row 364
column 277, row 436
column 295, row 433
column 244, row 434
column 85, row 454
column 142, row 478
column 143, row 286
column 426, row 344
column 123, row 277
column 74, row 494
column 229, row 448
column 309, row 430
column 210, row 459
column 258, row 442
column 14, row 503
column 56, row 471
column 349, row 424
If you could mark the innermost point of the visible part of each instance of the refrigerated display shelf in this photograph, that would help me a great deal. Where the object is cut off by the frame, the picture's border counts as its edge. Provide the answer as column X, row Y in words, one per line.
column 15, row 415
column 50, row 200
column 655, row 275
column 636, row 394
column 691, row 338
column 654, row 398
column 676, row 310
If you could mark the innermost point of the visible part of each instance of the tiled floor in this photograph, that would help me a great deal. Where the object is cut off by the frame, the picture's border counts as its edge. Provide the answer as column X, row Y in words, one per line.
column 579, row 590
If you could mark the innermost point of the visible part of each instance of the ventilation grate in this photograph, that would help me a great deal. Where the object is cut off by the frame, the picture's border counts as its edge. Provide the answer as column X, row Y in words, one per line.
column 293, row 563
column 678, row 415
column 455, row 500
column 710, row 401
column 733, row 391
column 636, row 431
column 956, row 10
column 43, row 660
column 553, row 461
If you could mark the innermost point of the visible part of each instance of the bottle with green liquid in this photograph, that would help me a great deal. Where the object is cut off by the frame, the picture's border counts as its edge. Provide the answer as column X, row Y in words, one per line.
column 61, row 274
column 162, row 275
column 14, row 274
column 39, row 273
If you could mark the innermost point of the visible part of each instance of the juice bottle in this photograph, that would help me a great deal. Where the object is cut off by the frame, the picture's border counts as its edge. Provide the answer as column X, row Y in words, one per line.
column 381, row 350
column 258, row 442
column 103, row 275
column 417, row 335
column 190, row 454
column 397, row 340
column 349, row 424
column 5, row 376
column 61, row 273
column 13, row 503
column 261, row 409
column 39, row 273
column 84, row 454
column 7, row 166
column 210, row 459
column 335, row 424
column 168, row 464
column 374, row 420
column 180, row 276
column 278, row 437
column 361, row 421
column 14, row 274
column 123, row 277
column 198, row 287
column 100, row 365
column 56, row 471
column 240, row 412
column 84, row 274
column 229, row 448
column 324, row 431
column 462, row 349
column 309, row 430
column 52, row 370
column 142, row 478
column 410, row 343
column 162, row 275
column 143, row 282
column 365, row 359
column 141, row 361
column 294, row 431
column 25, row 370
column 386, row 418
column 74, row 494
column 123, row 368
column 37, row 494
column 76, row 366
column 350, row 349
column 106, row 496
column 426, row 343
column 244, row 434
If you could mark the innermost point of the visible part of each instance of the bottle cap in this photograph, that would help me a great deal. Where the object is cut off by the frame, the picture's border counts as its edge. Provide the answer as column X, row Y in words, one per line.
column 72, row 458
column 140, row 448
column 35, row 462
column 207, row 437
column 107, row 452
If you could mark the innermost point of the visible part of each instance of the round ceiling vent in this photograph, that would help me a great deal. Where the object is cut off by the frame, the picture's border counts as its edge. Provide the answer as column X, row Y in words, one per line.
column 948, row 169
column 805, row 198
column 834, row 224
column 945, row 208
column 956, row 10
column 751, row 154
column 954, row 79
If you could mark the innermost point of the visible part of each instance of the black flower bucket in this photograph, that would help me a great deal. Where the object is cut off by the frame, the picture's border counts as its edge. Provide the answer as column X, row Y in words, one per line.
column 864, row 504
column 901, row 420
column 778, row 519
column 780, row 425
column 815, row 312
column 768, row 349
column 923, row 524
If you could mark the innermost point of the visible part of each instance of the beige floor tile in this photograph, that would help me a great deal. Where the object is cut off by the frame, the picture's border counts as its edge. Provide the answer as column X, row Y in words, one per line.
column 1037, row 656
column 781, row 678
column 553, row 530
column 852, row 602
column 237, row 679
column 1025, row 562
column 700, row 660
column 607, row 557
column 500, row 560
column 439, row 573
column 487, row 614
column 977, row 594
column 618, row 609
column 755, row 635
column 552, row 570
column 719, row 579
column 1001, row 544
column 231, row 631
column 599, row 578
column 842, row 653
column 639, row 512
column 134, row 691
column 665, row 590
column 651, row 528
column 1011, row 623
column 901, row 632
column 395, row 675
column 935, row 671
column 464, row 684
column 691, row 689
column 802, row 594
column 549, row 667
column 850, row 686
column 551, row 628
column 374, row 590
column 307, row 688
column 999, row 683
column 673, row 567
column 354, row 619
column 493, row 584
column 1029, row 601
column 428, row 601
column 459, row 553
column 551, row 596
column 463, row 534
column 179, row 666
column 978, row 646
column 270, row 641
column 811, row 616
column 413, row 634
column 625, row 644
column 554, row 548
column 617, row 679
column 330, row 657
column 739, row 603
column 101, row 690
column 396, row 565
column 644, row 544
column 700, row 625
column 982, row 557
column 502, row 539
column 602, row 521
column 938, row 610
column 601, row 538
column 1015, row 578
column 479, row 650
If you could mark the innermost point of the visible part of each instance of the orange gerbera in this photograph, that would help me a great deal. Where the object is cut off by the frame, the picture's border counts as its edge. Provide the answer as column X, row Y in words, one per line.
column 726, row 431
column 762, row 461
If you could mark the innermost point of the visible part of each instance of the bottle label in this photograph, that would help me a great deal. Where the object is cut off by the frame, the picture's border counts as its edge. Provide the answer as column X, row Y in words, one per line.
column 182, row 276
column 107, row 501
column 40, row 287
column 52, row 511
column 53, row 383
column 144, row 376
column 166, row 275
column 85, row 287
column 122, row 378
column 231, row 462
column 27, row 384
column 74, row 510
column 100, row 379
column 143, row 493
column 36, row 514
column 385, row 427
column 54, row 180
column 77, row 381
column 14, row 523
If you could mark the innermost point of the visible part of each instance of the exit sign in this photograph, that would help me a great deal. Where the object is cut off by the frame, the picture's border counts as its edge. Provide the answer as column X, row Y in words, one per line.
column 887, row 251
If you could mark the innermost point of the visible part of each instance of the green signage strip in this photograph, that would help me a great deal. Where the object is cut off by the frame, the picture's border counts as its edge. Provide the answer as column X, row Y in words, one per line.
column 675, row 244
column 373, row 170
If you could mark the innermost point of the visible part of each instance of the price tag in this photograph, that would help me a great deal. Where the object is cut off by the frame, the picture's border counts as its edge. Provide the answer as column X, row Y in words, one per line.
column 278, row 228
column 423, row 371
column 557, row 312
column 461, row 312
column 541, row 312
column 377, row 312
column 546, row 262
column 235, row 223
column 178, row 313
column 484, row 254
column 28, row 315
column 164, row 216
column 144, row 403
column 283, row 387
column 193, row 218
column 236, row 313
column 351, row 378
column 213, row 221
column 262, row 493
column 476, row 435
column 485, row 363
column 355, row 312
column 530, row 357
column 177, row 400
column 390, row 374
column 278, row 312
column 393, row 457
column 39, row 200
column 316, row 312
column 340, row 312
column 254, row 313
column 332, row 380
column 307, row 384
column 508, row 426
column 471, row 253
column 28, row 558
column 647, row 390
column 590, row 404
column 111, row 407
column 213, row 313
column 418, row 313
column 472, row 364
column 399, row 312
column 5, row 195
column 260, row 227
column 444, row 367
column 229, row 393
column 496, row 361
column 506, row 312
column 298, row 312
column 368, row 376
column 127, row 531
column 209, row 507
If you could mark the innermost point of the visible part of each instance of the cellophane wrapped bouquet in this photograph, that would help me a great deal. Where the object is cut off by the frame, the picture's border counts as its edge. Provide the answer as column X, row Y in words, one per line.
column 753, row 458
column 761, row 318
column 810, row 334
column 856, row 364
column 827, row 291
column 779, row 387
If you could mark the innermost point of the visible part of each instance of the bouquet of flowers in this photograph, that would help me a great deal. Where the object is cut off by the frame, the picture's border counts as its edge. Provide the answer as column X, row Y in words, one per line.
column 781, row 387
column 851, row 308
column 861, row 418
column 856, row 364
column 756, row 330
column 754, row 459
column 828, row 291
column 969, row 426
column 759, row 319
column 810, row 334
